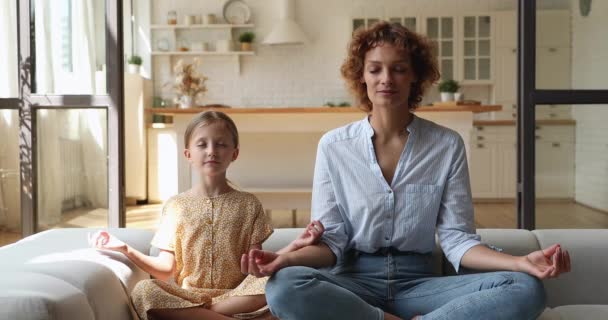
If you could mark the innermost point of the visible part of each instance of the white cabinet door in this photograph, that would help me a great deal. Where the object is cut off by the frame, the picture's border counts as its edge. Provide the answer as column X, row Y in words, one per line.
column 506, row 74
column 555, row 162
column 507, row 185
column 553, row 68
column 442, row 33
column 477, row 48
column 506, row 28
column 553, row 28
column 483, row 170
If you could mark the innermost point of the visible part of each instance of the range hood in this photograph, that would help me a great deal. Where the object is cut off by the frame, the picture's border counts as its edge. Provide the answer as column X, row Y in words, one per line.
column 286, row 31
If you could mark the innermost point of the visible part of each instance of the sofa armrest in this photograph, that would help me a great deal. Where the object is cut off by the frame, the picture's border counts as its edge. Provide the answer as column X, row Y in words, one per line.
column 586, row 283
column 63, row 258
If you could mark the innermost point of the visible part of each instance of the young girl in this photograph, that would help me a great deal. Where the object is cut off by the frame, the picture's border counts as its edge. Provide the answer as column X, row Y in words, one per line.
column 204, row 237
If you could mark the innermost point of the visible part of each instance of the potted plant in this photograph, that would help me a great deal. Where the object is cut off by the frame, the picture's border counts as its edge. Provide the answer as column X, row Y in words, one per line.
column 133, row 64
column 246, row 38
column 447, row 88
column 188, row 84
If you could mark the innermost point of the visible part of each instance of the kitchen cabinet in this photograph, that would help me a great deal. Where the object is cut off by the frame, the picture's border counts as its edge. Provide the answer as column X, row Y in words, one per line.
column 553, row 61
column 477, row 54
column 484, row 168
column 493, row 162
column 441, row 30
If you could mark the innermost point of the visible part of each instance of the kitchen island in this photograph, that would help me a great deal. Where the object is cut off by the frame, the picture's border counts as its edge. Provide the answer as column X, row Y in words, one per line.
column 278, row 148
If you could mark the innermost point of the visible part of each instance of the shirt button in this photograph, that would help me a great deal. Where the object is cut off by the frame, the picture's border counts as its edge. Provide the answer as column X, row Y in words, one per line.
column 390, row 191
column 386, row 238
column 209, row 221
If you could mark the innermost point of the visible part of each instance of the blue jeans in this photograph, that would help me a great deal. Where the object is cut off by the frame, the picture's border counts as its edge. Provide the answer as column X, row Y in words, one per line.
column 365, row 285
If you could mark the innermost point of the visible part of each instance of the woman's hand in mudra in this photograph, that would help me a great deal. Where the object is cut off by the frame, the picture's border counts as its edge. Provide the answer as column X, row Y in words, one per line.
column 547, row 263
column 310, row 236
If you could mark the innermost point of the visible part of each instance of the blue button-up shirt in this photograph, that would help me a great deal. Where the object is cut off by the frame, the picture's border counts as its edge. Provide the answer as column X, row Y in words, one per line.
column 430, row 192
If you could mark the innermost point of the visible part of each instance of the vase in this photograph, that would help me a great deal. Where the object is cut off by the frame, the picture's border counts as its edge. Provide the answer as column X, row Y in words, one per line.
column 245, row 46
column 447, row 96
column 185, row 102
column 133, row 68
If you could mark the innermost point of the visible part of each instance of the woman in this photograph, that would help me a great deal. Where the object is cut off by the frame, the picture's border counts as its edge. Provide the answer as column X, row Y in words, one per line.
column 383, row 187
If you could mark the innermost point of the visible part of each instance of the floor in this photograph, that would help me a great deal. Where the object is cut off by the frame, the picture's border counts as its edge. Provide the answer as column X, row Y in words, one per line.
column 550, row 215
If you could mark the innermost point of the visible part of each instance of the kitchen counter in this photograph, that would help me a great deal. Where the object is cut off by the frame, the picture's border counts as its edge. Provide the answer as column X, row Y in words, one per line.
column 296, row 110
column 560, row 122
column 278, row 147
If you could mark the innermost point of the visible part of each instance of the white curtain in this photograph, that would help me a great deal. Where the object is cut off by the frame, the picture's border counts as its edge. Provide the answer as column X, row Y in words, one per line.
column 10, row 215
column 10, row 212
column 68, row 69
column 62, row 70
column 8, row 49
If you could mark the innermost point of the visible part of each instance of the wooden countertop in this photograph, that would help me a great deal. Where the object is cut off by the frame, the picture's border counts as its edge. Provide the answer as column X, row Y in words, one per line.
column 561, row 122
column 288, row 110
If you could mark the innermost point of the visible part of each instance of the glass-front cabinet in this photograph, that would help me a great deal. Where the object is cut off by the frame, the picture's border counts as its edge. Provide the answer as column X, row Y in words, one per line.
column 440, row 31
column 477, row 48
column 463, row 44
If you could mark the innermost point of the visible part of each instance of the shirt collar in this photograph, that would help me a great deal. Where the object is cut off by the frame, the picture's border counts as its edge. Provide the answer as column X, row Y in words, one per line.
column 411, row 128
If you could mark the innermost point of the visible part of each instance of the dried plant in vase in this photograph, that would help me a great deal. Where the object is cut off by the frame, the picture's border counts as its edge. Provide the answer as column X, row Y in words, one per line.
column 189, row 84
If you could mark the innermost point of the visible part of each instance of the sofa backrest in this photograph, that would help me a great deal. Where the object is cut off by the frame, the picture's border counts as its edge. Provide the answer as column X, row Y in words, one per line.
column 587, row 283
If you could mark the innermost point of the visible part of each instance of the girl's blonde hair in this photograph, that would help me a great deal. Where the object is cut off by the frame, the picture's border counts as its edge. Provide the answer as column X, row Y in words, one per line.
column 209, row 117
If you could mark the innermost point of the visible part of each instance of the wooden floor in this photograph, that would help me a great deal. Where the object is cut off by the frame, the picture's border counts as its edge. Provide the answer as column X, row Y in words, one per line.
column 550, row 215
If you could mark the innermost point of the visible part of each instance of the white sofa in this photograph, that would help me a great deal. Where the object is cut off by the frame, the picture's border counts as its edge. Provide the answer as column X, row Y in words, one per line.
column 54, row 275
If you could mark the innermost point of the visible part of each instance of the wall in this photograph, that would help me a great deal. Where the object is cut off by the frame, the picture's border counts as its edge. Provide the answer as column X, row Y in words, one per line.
column 589, row 69
column 299, row 75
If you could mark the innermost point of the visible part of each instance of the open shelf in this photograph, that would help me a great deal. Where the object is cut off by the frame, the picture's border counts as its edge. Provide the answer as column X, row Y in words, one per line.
column 202, row 53
column 199, row 26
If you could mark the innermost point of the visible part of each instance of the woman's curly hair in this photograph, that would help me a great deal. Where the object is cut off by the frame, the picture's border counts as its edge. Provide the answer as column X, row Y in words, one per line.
column 422, row 60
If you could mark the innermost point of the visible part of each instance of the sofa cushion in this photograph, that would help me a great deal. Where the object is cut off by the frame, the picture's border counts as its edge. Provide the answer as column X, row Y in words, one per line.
column 586, row 283
column 582, row 312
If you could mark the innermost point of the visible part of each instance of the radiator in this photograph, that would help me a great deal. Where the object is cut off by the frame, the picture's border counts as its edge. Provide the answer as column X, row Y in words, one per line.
column 74, row 178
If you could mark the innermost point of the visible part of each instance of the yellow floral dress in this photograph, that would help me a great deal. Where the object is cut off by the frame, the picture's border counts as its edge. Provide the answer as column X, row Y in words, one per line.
column 208, row 237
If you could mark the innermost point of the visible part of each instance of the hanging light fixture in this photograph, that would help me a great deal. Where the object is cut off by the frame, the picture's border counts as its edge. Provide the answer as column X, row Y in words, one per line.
column 286, row 31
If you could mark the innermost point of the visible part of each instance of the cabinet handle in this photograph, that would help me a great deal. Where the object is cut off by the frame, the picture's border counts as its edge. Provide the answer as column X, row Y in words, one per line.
column 555, row 144
column 552, row 115
column 552, row 49
column 479, row 138
column 480, row 145
column 514, row 115
column 479, row 128
column 537, row 137
column 536, row 127
column 514, row 50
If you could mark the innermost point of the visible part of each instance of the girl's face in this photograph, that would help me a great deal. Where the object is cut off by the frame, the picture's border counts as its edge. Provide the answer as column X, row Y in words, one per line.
column 388, row 76
column 211, row 149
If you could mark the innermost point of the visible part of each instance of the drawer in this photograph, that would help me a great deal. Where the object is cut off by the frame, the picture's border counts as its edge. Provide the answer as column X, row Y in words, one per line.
column 554, row 133
column 553, row 114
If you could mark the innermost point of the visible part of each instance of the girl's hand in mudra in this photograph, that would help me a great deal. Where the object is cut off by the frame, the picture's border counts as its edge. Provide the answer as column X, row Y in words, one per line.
column 310, row 236
column 261, row 263
column 104, row 240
